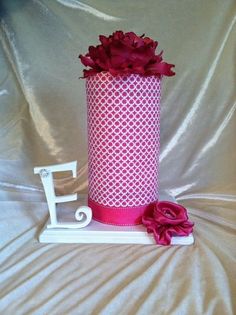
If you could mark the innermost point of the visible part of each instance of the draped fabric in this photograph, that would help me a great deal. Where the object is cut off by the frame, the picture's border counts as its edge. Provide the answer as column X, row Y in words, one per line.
column 43, row 122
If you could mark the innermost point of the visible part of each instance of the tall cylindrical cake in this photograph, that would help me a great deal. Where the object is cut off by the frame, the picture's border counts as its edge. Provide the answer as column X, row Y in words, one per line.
column 123, row 145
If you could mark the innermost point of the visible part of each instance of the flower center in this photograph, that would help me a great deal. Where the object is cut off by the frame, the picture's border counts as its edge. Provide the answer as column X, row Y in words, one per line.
column 169, row 213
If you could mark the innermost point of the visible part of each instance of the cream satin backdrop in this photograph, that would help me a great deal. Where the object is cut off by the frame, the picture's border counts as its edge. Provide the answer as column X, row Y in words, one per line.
column 43, row 121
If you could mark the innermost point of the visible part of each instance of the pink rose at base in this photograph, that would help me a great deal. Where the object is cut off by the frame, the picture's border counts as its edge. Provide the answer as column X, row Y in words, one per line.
column 165, row 220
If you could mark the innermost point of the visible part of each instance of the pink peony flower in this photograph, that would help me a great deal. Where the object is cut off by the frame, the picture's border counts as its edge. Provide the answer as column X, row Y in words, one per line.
column 125, row 53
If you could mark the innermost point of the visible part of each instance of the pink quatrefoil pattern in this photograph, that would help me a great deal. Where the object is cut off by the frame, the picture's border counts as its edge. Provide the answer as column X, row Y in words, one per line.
column 123, row 139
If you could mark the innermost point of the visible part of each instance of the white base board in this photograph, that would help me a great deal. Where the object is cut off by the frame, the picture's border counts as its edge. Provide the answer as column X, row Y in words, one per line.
column 97, row 232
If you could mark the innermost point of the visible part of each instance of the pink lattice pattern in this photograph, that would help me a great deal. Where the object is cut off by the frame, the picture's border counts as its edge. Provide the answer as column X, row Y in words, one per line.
column 123, row 131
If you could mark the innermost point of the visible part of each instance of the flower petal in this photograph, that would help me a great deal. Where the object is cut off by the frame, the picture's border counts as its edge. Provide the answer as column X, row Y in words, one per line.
column 161, row 68
column 87, row 61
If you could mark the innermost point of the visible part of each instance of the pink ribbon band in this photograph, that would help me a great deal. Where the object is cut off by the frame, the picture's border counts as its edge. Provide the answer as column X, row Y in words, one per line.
column 117, row 215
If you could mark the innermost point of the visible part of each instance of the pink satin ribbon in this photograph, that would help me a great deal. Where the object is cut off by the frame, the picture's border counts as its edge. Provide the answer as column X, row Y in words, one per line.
column 118, row 216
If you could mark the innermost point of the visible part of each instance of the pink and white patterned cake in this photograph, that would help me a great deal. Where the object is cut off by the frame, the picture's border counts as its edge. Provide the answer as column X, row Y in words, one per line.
column 123, row 87
column 123, row 141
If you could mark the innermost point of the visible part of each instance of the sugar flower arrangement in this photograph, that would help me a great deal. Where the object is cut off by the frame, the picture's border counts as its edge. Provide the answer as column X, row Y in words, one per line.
column 125, row 53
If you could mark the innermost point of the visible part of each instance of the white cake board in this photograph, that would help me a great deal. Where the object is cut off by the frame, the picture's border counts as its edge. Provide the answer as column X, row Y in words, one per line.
column 97, row 232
